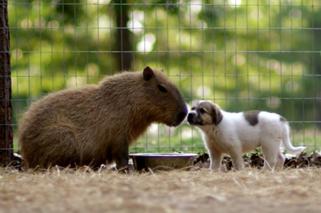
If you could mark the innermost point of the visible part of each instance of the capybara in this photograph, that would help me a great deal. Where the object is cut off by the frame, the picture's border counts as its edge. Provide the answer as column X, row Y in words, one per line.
column 96, row 124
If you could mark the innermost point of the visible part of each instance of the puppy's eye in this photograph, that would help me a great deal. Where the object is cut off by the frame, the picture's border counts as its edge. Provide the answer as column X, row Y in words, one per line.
column 193, row 108
column 161, row 88
column 202, row 110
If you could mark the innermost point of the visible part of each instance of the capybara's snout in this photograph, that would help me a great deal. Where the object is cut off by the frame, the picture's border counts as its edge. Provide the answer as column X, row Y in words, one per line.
column 180, row 116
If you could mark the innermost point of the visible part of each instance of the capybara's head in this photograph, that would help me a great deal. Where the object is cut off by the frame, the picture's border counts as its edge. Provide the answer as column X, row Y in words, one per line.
column 165, row 102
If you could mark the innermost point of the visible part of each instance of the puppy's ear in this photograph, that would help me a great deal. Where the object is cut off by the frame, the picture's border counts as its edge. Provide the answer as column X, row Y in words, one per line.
column 217, row 116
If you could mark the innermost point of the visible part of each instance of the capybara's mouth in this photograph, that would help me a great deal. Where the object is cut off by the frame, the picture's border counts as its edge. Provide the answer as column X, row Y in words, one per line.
column 179, row 118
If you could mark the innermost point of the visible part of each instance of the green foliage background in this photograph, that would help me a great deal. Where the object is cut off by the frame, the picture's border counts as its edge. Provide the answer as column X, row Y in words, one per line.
column 242, row 54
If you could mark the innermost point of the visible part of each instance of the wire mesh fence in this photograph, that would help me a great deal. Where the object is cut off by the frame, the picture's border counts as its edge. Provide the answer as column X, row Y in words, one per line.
column 241, row 54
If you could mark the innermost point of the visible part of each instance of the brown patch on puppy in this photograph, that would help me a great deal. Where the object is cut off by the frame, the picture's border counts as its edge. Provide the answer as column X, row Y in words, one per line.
column 252, row 117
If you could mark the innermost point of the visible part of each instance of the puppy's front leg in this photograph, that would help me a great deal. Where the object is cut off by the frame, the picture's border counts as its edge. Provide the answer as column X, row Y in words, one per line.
column 215, row 156
column 216, row 161
column 237, row 160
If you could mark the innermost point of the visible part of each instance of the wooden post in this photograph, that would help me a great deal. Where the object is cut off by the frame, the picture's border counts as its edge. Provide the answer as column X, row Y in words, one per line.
column 6, row 136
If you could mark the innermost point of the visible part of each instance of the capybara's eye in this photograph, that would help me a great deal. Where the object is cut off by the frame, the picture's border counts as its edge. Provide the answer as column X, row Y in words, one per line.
column 161, row 88
column 202, row 110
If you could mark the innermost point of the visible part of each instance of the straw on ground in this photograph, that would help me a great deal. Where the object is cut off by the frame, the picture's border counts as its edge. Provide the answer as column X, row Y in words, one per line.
column 291, row 190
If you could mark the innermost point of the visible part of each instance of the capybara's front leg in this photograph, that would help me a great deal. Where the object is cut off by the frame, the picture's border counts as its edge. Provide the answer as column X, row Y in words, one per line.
column 121, row 157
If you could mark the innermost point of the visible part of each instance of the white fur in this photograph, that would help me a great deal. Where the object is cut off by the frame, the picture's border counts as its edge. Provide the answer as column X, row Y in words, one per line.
column 234, row 136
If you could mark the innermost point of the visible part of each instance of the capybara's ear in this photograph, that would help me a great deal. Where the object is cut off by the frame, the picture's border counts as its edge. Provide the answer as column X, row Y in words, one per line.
column 148, row 73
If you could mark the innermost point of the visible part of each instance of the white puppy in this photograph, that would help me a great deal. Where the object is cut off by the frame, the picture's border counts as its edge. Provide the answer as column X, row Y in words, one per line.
column 236, row 133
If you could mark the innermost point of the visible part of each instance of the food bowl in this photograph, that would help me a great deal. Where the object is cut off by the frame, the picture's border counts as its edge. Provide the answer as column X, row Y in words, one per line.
column 162, row 161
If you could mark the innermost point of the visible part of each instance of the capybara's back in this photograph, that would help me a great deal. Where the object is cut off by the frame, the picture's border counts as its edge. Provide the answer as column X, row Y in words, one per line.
column 96, row 124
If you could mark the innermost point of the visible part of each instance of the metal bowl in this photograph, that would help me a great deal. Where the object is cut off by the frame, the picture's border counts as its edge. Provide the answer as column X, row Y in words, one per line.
column 162, row 161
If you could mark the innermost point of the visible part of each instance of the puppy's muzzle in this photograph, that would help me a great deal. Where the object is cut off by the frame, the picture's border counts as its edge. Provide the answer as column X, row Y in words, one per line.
column 193, row 119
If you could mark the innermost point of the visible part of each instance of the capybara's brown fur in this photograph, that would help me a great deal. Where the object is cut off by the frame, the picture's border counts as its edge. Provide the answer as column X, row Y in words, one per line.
column 96, row 124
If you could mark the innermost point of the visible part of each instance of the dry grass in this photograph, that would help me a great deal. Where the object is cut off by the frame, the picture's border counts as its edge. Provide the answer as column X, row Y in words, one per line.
column 295, row 190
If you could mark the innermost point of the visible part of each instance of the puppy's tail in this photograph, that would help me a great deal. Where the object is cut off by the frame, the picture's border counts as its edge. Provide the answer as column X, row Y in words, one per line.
column 287, row 142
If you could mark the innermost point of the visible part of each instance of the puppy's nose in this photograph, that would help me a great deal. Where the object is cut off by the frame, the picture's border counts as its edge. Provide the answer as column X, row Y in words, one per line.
column 190, row 117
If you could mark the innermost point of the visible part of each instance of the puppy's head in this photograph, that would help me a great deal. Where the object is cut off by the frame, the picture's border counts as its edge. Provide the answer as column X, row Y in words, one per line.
column 204, row 113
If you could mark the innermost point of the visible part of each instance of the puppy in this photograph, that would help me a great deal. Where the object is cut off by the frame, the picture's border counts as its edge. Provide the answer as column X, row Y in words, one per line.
column 235, row 133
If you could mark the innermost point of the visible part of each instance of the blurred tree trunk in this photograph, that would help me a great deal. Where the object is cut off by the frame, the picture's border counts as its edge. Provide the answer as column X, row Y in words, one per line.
column 6, row 136
column 123, row 44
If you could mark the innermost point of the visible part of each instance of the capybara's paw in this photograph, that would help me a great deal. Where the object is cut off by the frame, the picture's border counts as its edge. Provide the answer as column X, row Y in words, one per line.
column 129, row 169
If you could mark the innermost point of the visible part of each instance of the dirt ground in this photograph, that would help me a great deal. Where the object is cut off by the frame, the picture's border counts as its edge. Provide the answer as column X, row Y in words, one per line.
column 251, row 190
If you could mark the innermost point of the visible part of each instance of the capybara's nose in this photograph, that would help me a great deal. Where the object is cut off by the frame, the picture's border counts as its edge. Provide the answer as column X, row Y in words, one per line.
column 180, row 117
